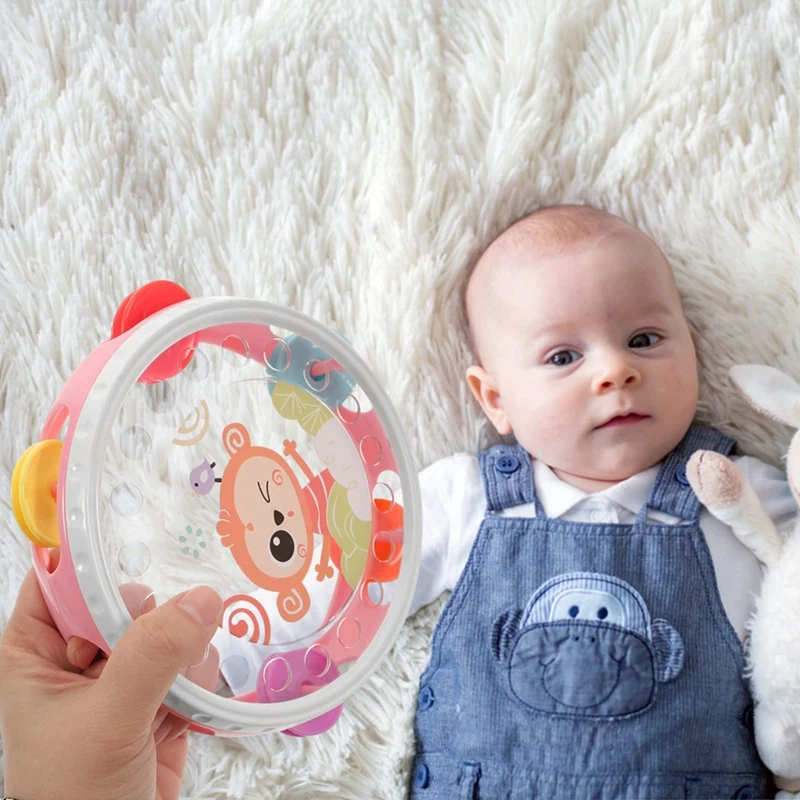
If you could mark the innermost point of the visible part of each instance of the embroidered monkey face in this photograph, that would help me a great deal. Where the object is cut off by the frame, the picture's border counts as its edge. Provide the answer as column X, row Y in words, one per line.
column 585, row 646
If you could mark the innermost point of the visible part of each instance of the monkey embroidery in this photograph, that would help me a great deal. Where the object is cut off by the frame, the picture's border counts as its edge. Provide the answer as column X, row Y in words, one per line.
column 266, row 521
column 585, row 646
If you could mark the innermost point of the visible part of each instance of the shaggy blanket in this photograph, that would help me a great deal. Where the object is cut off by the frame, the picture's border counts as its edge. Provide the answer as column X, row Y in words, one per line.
column 347, row 160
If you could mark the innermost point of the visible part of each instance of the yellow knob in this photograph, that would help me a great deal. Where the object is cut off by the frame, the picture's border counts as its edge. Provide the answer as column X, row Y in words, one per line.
column 33, row 492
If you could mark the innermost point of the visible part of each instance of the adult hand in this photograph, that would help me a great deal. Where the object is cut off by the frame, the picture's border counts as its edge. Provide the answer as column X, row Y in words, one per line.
column 77, row 724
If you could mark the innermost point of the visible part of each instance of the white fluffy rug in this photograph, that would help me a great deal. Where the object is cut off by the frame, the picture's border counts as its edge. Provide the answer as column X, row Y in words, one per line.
column 346, row 159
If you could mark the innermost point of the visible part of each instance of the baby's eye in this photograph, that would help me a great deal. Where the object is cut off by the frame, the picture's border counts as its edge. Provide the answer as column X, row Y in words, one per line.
column 563, row 358
column 644, row 340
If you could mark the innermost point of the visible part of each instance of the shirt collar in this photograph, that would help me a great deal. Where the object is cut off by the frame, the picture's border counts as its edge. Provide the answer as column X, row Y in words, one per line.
column 558, row 497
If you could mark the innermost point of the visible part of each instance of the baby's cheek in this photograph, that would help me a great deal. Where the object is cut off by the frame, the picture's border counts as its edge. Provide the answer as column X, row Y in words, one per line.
column 551, row 408
column 684, row 366
column 678, row 391
column 545, row 425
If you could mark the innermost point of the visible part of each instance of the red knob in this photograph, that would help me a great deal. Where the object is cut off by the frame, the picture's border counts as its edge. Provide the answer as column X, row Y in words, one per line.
column 143, row 303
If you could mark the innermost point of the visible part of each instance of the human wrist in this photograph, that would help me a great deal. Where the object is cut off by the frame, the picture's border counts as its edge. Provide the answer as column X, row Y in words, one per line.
column 15, row 788
column 31, row 791
column 32, row 777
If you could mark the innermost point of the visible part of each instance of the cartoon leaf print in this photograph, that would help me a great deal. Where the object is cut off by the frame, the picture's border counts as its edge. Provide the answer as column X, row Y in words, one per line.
column 294, row 403
column 351, row 534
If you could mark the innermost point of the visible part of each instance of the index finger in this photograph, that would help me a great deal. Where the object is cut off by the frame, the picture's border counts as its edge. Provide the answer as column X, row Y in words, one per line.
column 31, row 628
column 138, row 599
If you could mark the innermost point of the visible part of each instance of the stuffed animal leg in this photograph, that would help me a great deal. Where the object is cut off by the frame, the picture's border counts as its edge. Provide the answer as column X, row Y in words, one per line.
column 723, row 490
column 774, row 652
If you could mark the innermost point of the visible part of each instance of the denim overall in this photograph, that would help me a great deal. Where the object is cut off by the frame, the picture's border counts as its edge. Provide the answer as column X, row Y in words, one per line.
column 585, row 660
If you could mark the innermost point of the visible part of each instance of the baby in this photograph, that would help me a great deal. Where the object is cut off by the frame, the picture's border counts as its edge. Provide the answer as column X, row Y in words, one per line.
column 593, row 645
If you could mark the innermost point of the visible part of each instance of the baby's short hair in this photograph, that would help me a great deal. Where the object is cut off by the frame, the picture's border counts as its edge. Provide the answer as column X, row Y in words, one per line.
column 551, row 229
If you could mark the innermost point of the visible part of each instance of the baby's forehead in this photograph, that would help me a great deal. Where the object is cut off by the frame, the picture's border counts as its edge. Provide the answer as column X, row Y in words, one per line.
column 554, row 230
column 529, row 255
column 547, row 232
column 559, row 231
column 541, row 247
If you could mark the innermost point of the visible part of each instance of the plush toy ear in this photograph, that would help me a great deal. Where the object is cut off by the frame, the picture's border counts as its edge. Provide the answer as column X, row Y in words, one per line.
column 769, row 391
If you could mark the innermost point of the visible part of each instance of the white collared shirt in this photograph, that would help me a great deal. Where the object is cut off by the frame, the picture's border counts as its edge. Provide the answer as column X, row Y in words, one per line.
column 454, row 505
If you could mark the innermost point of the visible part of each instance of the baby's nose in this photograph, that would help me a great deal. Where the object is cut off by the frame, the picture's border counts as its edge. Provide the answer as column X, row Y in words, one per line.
column 618, row 375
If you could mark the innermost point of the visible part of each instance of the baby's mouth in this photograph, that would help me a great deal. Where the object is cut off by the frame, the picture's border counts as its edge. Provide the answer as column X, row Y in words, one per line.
column 624, row 419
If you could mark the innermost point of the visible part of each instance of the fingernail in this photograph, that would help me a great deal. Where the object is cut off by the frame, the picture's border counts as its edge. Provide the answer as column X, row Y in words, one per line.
column 80, row 653
column 203, row 603
column 149, row 603
column 202, row 660
column 72, row 647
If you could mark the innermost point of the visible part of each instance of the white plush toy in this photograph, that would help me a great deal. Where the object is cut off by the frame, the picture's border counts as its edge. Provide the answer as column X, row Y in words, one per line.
column 774, row 651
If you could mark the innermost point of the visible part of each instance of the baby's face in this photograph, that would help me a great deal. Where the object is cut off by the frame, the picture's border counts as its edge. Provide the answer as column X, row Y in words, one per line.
column 571, row 340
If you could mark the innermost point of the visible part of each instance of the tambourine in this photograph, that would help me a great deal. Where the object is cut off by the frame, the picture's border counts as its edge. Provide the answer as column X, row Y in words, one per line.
column 238, row 444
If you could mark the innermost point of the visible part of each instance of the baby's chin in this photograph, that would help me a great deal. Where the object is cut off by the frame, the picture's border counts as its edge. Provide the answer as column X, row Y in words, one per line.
column 610, row 465
column 606, row 455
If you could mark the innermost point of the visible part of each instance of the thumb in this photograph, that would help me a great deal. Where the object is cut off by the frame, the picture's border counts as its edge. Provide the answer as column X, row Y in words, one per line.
column 154, row 650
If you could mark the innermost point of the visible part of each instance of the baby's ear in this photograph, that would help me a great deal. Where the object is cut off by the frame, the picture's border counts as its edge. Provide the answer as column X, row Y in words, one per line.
column 483, row 386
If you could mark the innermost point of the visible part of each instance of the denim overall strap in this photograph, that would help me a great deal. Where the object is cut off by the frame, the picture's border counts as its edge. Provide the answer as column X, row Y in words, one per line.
column 508, row 478
column 671, row 492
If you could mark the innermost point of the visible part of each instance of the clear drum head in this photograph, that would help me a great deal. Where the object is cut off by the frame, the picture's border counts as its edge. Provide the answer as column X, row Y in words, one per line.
column 262, row 469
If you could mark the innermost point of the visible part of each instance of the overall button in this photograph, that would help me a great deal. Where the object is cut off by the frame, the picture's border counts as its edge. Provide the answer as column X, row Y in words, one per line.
column 422, row 776
column 680, row 475
column 506, row 465
column 745, row 793
column 426, row 698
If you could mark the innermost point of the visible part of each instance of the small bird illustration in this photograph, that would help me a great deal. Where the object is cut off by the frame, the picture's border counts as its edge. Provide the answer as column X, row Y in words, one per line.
column 202, row 478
